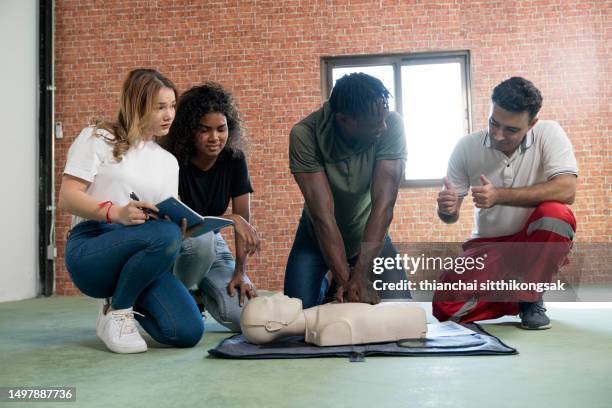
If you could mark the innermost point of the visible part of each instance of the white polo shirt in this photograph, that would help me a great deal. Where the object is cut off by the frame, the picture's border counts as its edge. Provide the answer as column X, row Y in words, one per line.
column 544, row 153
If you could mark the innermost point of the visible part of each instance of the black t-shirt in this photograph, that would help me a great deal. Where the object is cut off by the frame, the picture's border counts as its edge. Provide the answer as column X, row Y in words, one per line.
column 209, row 192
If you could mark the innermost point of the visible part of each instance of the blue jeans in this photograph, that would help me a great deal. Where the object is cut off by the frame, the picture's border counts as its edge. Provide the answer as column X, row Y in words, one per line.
column 306, row 270
column 206, row 263
column 132, row 265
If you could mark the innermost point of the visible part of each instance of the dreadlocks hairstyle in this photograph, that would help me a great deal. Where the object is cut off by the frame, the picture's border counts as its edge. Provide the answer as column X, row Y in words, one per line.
column 138, row 97
column 200, row 100
column 518, row 95
column 358, row 94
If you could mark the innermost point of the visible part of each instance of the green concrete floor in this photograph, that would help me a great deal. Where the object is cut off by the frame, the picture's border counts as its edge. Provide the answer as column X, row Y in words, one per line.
column 52, row 342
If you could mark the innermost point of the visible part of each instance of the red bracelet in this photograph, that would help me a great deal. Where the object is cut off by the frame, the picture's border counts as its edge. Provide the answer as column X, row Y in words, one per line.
column 104, row 204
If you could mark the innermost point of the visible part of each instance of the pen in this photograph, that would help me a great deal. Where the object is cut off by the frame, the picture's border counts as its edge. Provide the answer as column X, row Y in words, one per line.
column 134, row 197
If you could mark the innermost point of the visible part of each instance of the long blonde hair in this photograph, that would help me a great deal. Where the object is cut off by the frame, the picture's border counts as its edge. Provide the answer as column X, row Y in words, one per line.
column 138, row 96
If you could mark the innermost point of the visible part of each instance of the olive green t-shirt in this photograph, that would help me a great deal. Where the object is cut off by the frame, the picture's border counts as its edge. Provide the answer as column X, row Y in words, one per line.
column 315, row 145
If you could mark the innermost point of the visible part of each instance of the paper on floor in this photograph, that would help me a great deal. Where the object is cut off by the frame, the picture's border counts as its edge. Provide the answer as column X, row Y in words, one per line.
column 446, row 329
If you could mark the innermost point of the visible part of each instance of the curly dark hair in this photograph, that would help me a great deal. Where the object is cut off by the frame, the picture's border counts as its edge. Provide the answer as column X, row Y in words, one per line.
column 358, row 94
column 518, row 95
column 209, row 97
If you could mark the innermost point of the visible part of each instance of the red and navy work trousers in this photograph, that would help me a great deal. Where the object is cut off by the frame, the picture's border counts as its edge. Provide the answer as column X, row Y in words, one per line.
column 534, row 254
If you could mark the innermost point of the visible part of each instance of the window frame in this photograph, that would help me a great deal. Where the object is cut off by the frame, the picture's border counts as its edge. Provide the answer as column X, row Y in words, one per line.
column 328, row 63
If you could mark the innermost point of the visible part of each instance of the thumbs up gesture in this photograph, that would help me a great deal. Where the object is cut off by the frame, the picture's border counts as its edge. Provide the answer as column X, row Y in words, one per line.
column 485, row 196
column 448, row 199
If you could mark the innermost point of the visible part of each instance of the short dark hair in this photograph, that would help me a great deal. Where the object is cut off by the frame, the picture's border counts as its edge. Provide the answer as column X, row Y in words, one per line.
column 358, row 94
column 518, row 95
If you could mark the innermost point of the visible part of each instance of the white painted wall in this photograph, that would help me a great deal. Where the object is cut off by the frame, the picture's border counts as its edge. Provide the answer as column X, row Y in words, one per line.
column 19, row 160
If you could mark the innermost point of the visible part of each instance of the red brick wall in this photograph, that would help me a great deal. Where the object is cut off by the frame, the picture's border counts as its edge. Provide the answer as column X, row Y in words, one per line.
column 268, row 54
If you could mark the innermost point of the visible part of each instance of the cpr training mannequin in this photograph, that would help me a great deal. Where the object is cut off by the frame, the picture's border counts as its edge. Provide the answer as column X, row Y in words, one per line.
column 266, row 319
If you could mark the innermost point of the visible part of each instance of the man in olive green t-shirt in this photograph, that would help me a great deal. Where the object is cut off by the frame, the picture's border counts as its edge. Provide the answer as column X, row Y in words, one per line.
column 348, row 159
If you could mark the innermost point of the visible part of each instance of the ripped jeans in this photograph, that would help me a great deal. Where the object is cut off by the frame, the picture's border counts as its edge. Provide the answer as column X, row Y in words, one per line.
column 206, row 263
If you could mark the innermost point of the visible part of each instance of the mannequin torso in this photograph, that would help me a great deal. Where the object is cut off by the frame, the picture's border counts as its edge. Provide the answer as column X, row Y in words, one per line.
column 266, row 319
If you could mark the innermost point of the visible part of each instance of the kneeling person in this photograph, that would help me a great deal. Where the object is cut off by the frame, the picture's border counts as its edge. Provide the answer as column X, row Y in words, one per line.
column 522, row 172
column 348, row 159
column 204, row 138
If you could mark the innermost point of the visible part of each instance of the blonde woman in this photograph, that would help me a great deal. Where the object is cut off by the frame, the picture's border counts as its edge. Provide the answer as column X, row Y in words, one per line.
column 118, row 248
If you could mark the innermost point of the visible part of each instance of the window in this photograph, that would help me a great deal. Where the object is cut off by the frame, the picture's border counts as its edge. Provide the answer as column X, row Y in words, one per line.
column 430, row 91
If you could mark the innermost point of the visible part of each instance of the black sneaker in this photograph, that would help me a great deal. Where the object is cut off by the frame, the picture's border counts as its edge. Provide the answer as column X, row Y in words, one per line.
column 198, row 299
column 533, row 315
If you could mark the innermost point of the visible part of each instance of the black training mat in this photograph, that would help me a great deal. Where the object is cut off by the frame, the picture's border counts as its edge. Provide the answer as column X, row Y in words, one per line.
column 479, row 343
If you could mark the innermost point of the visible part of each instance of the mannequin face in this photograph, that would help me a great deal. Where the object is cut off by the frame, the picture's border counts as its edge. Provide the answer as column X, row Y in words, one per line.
column 272, row 312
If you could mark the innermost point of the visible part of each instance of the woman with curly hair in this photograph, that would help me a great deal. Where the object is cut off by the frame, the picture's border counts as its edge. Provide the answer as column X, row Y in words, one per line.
column 205, row 137
column 117, row 247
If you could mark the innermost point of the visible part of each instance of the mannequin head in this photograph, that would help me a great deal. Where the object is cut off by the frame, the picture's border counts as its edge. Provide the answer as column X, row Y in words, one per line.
column 267, row 318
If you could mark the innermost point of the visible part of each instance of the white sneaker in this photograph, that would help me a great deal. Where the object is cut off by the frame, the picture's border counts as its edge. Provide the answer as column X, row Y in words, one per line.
column 117, row 329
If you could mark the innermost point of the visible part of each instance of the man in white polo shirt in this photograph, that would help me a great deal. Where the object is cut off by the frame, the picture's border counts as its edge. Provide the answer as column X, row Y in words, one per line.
column 522, row 172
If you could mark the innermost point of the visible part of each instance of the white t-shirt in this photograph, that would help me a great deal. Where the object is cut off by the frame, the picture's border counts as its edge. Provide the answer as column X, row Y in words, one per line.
column 146, row 169
column 545, row 152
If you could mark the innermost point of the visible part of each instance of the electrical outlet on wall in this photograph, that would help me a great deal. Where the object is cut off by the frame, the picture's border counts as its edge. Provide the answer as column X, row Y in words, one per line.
column 59, row 130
